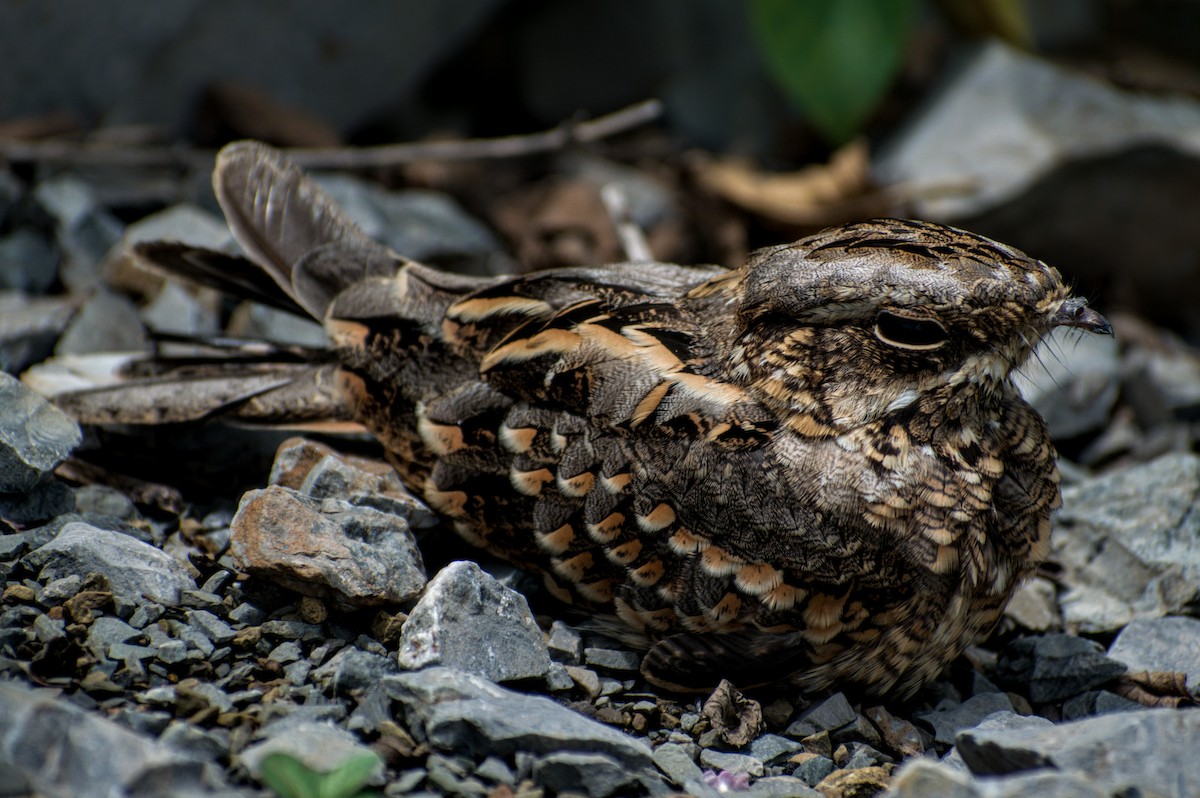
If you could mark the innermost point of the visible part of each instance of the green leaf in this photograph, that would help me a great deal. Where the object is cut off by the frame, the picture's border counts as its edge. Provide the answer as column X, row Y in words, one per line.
column 833, row 58
column 289, row 777
column 349, row 777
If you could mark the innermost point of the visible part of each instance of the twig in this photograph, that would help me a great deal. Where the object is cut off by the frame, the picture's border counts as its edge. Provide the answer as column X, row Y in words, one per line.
column 82, row 153
column 633, row 240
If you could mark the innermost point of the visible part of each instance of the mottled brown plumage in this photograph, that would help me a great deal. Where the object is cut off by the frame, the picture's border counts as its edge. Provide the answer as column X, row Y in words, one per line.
column 814, row 468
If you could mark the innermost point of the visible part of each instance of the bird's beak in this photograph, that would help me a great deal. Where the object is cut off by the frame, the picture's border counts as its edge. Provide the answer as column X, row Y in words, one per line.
column 1075, row 313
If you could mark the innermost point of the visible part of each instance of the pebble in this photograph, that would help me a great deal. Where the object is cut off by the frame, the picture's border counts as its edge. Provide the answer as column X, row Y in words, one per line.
column 612, row 659
column 829, row 714
column 594, row 775
column 677, row 763
column 564, row 643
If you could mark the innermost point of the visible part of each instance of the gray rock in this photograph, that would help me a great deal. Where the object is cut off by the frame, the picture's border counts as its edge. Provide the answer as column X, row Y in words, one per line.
column 781, row 787
column 354, row 556
column 922, row 778
column 457, row 711
column 1009, row 117
column 811, row 771
column 378, row 488
column 612, row 659
column 211, row 626
column 831, row 713
column 565, row 644
column 1124, row 557
column 734, row 763
column 28, row 262
column 135, row 571
column 998, row 721
column 108, row 322
column 105, row 632
column 34, row 437
column 177, row 310
column 673, row 760
column 29, row 328
column 1035, row 605
column 772, row 747
column 1097, row 702
column 320, row 746
column 594, row 775
column 1054, row 667
column 468, row 621
column 61, row 751
column 103, row 500
column 423, row 225
column 37, row 505
column 1160, row 644
column 1076, row 393
column 1151, row 751
column 947, row 723
column 256, row 322
column 206, row 744
column 558, row 679
column 185, row 223
column 353, row 669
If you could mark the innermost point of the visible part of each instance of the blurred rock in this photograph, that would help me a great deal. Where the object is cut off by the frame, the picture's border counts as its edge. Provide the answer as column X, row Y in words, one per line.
column 355, row 556
column 1123, row 556
column 30, row 328
column 261, row 323
column 1035, row 605
column 108, row 322
column 177, row 310
column 423, row 225
column 85, row 231
column 1072, row 380
column 1151, row 751
column 51, row 748
column 124, row 65
column 594, row 775
column 467, row 621
column 28, row 262
column 1008, row 117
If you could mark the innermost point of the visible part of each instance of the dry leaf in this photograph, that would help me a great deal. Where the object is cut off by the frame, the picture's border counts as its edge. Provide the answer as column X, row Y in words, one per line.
column 738, row 719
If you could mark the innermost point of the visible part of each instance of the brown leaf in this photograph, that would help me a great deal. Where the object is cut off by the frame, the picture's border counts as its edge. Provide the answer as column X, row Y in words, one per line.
column 1155, row 688
column 816, row 196
column 738, row 719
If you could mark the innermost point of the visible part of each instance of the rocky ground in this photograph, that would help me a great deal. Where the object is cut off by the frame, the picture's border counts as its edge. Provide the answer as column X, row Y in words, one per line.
column 163, row 634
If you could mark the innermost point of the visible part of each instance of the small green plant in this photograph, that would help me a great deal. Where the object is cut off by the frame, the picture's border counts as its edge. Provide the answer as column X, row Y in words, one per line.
column 291, row 778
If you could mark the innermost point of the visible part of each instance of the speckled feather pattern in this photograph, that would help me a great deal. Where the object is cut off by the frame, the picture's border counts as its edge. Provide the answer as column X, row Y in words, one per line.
column 744, row 469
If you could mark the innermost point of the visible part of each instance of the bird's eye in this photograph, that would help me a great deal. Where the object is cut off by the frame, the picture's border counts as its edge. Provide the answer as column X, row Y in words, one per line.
column 909, row 333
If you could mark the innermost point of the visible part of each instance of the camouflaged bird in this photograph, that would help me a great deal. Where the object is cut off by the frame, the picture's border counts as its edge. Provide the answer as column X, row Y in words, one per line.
column 811, row 469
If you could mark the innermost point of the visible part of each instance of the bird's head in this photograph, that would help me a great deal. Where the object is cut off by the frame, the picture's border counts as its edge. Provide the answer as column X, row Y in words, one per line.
column 867, row 320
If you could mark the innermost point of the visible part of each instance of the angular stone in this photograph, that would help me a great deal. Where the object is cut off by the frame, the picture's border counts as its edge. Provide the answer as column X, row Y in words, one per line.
column 1054, row 667
column 1152, row 751
column 833, row 712
column 35, row 436
column 1160, row 644
column 29, row 329
column 354, row 556
column 612, row 659
column 947, row 723
column 674, row 760
column 594, row 775
column 921, row 778
column 734, row 763
column 468, row 621
column 457, row 711
column 565, row 644
column 353, row 669
column 135, row 571
column 1124, row 557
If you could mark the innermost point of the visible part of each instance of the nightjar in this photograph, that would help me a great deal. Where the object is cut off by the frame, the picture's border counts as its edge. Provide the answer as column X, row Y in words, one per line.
column 811, row 469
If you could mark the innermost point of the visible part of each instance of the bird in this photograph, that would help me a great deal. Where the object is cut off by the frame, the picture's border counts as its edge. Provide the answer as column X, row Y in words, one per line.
column 813, row 470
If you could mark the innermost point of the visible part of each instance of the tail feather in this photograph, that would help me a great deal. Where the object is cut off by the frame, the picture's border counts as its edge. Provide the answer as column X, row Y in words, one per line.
column 280, row 216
